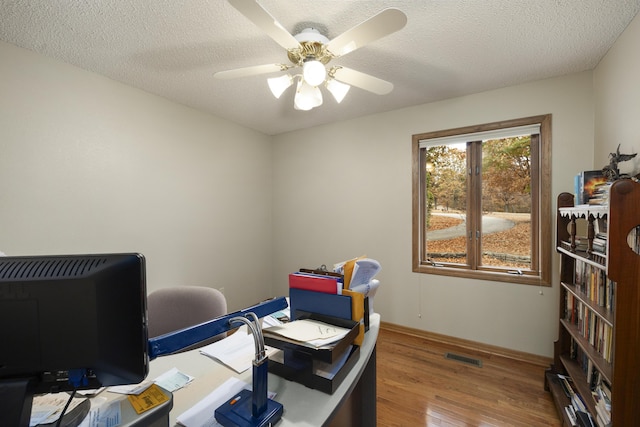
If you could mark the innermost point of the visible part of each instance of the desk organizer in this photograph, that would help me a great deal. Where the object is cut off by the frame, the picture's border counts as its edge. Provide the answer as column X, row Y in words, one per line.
column 296, row 361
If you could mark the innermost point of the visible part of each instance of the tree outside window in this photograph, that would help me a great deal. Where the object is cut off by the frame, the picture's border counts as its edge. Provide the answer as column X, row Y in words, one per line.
column 482, row 201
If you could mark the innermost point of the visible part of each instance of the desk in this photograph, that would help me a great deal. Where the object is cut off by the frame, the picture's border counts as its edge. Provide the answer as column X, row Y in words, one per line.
column 352, row 404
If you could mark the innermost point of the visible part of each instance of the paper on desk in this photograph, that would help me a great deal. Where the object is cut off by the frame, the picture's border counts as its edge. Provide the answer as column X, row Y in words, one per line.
column 48, row 407
column 103, row 413
column 173, row 380
column 202, row 414
column 309, row 331
column 131, row 388
column 237, row 351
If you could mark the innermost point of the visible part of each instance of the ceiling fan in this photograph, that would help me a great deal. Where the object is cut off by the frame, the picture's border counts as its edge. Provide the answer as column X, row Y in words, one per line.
column 311, row 51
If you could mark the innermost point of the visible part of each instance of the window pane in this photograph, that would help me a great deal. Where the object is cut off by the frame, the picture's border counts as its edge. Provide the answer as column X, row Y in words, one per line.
column 506, row 203
column 446, row 199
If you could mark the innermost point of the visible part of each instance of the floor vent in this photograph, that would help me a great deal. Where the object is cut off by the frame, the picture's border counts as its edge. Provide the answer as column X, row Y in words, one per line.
column 464, row 359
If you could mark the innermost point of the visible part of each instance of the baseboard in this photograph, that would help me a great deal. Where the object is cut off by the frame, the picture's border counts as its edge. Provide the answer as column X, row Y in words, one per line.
column 486, row 349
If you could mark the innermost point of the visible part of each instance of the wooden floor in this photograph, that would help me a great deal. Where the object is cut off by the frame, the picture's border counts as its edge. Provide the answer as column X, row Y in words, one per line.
column 417, row 386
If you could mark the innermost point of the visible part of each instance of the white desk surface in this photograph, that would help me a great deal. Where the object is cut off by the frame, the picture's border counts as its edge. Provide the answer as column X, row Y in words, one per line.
column 303, row 406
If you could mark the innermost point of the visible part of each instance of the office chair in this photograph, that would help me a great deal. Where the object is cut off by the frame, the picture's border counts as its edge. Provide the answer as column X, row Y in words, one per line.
column 171, row 309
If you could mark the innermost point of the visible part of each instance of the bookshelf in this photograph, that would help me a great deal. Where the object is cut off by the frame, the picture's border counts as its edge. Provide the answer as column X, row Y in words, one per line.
column 598, row 344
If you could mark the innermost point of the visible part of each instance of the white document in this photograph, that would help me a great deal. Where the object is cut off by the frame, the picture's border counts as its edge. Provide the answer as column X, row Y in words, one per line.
column 103, row 413
column 312, row 332
column 237, row 351
column 363, row 271
column 131, row 388
column 173, row 380
column 202, row 414
column 48, row 407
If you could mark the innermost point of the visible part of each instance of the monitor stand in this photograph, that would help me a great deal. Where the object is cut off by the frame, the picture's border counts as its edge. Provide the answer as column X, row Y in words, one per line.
column 16, row 398
column 16, row 402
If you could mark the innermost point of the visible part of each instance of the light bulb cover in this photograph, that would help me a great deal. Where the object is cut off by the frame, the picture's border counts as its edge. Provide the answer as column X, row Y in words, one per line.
column 314, row 72
column 338, row 89
column 307, row 96
column 279, row 84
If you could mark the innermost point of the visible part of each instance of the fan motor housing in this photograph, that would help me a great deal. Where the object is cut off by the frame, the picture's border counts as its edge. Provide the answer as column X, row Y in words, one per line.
column 312, row 44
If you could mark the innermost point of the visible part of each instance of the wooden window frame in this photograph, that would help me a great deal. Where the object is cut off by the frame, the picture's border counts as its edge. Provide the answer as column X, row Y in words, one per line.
column 541, row 218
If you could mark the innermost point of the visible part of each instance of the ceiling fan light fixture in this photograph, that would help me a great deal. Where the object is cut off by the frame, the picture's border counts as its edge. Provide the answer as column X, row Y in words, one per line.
column 279, row 84
column 338, row 89
column 307, row 96
column 313, row 72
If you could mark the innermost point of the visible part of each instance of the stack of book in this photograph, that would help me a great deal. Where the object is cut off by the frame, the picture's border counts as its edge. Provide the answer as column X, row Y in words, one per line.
column 576, row 410
column 600, row 194
column 602, row 396
column 586, row 183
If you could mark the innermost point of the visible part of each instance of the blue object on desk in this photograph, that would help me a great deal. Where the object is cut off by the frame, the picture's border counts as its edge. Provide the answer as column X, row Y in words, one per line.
column 178, row 340
column 252, row 408
column 317, row 302
column 247, row 409
column 237, row 412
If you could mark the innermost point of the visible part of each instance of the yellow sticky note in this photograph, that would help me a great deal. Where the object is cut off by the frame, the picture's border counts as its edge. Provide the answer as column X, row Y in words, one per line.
column 148, row 399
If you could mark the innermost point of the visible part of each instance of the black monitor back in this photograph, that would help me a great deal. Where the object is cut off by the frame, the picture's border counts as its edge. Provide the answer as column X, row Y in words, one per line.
column 65, row 312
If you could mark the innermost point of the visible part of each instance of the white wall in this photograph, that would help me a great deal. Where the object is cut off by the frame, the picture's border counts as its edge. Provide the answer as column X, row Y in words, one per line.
column 88, row 165
column 344, row 190
column 617, row 97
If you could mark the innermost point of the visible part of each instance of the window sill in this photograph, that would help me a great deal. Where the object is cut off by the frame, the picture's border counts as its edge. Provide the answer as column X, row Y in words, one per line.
column 526, row 278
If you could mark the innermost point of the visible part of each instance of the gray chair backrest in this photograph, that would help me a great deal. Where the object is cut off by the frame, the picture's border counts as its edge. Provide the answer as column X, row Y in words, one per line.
column 171, row 309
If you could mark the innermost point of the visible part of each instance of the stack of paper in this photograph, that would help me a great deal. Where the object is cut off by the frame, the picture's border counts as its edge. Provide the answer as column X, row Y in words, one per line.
column 307, row 331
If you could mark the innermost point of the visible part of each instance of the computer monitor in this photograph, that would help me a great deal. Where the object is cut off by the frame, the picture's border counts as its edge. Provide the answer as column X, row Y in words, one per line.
column 61, row 315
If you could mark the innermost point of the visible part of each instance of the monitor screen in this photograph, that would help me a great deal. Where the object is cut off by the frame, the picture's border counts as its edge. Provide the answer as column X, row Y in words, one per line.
column 65, row 313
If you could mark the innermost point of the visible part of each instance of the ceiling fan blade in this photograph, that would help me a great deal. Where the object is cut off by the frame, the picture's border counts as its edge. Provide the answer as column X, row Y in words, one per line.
column 250, row 71
column 362, row 80
column 267, row 23
column 384, row 23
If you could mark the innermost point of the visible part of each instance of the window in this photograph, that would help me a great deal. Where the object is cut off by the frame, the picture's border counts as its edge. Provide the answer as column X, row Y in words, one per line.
column 482, row 202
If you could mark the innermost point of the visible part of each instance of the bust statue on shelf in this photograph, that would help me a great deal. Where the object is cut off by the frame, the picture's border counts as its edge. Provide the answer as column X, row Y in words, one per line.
column 611, row 170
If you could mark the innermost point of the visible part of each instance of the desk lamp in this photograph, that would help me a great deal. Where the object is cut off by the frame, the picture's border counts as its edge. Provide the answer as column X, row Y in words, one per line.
column 247, row 408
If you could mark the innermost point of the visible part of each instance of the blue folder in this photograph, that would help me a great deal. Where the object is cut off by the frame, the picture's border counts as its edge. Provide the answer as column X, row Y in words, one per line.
column 318, row 302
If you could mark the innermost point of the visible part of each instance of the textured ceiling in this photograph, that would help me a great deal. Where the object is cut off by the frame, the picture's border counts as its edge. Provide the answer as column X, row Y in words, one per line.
column 448, row 48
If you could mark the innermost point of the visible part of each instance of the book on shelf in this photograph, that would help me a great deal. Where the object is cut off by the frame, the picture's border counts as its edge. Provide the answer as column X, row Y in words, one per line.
column 594, row 283
column 633, row 239
column 599, row 293
column 577, row 404
column 603, row 407
column 600, row 194
column 597, row 332
column 585, row 419
column 586, row 183
column 571, row 413
column 577, row 407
